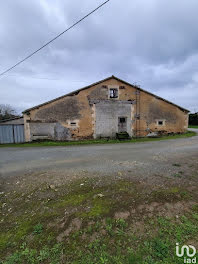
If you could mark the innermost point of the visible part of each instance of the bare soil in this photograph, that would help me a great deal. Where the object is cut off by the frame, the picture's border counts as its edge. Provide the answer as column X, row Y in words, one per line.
column 80, row 207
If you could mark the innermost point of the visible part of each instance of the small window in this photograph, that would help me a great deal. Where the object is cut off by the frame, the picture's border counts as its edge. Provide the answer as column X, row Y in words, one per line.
column 73, row 123
column 160, row 122
column 113, row 93
column 122, row 119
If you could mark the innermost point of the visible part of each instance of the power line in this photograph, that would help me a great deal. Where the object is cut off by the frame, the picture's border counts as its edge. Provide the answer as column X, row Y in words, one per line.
column 53, row 39
column 44, row 78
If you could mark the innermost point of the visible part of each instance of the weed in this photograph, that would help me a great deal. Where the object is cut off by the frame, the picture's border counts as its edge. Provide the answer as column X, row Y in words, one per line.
column 109, row 225
column 133, row 258
column 38, row 229
column 32, row 256
column 121, row 223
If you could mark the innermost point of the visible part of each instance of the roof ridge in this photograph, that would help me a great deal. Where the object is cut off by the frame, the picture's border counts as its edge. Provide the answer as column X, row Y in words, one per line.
column 93, row 84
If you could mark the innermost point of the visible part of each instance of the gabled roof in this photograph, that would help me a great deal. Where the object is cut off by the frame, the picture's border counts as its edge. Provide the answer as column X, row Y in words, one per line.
column 93, row 84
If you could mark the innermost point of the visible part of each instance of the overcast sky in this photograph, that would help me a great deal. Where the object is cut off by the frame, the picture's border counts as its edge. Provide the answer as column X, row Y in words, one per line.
column 153, row 43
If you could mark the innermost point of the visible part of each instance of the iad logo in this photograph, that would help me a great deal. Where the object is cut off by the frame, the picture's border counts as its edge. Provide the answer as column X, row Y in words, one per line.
column 190, row 252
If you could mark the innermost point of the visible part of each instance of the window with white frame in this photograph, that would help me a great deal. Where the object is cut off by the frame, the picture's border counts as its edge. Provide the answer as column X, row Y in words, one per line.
column 160, row 122
column 73, row 123
column 113, row 93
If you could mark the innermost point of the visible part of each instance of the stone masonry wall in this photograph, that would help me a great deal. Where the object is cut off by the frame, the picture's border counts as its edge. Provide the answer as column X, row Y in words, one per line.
column 81, row 110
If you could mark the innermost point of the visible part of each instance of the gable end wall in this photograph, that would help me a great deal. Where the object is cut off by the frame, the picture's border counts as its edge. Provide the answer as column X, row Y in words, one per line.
column 80, row 108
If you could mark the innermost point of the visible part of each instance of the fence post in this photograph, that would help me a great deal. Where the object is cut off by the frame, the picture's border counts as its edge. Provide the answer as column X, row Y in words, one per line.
column 13, row 133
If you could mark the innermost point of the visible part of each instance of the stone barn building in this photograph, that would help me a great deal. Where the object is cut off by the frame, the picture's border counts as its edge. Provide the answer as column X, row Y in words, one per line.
column 103, row 109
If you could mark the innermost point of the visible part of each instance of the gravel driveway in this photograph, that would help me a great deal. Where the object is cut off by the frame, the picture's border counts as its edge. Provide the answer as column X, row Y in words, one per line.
column 143, row 158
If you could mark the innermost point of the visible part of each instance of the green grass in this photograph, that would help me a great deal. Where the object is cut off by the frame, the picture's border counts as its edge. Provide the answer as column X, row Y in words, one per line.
column 125, row 249
column 190, row 126
column 97, row 141
column 38, row 229
column 29, row 233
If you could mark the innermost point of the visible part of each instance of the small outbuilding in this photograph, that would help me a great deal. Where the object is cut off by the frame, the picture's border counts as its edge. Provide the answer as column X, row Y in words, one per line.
column 12, row 130
column 13, row 121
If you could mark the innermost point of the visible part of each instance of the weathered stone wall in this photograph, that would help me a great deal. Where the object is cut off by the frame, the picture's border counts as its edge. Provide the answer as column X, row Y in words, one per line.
column 153, row 109
column 81, row 109
column 66, row 109
column 41, row 130
column 106, row 117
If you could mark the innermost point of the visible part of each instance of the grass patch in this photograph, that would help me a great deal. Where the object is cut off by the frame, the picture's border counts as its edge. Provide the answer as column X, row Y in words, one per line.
column 99, row 208
column 85, row 217
column 38, row 229
column 193, row 126
column 169, row 195
column 119, row 245
column 71, row 199
column 98, row 141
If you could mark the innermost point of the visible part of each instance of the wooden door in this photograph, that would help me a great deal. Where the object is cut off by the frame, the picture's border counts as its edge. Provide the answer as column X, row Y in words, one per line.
column 122, row 124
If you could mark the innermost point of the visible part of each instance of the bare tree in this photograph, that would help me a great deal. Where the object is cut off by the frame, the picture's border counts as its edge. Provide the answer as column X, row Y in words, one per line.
column 7, row 112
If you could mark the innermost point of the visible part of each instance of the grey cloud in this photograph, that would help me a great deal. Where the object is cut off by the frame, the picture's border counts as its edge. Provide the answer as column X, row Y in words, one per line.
column 151, row 43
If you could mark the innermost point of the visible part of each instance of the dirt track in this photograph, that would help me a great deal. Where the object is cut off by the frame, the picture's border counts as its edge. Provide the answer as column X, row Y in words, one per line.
column 150, row 161
column 98, row 158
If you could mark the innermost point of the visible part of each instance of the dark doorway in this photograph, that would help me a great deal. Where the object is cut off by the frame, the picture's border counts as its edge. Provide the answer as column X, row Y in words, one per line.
column 122, row 124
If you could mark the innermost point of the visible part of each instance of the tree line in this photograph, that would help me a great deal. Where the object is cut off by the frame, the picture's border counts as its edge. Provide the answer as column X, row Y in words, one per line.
column 193, row 119
column 7, row 112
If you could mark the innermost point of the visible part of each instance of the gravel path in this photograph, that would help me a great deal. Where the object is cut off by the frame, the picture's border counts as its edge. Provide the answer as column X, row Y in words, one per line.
column 145, row 158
